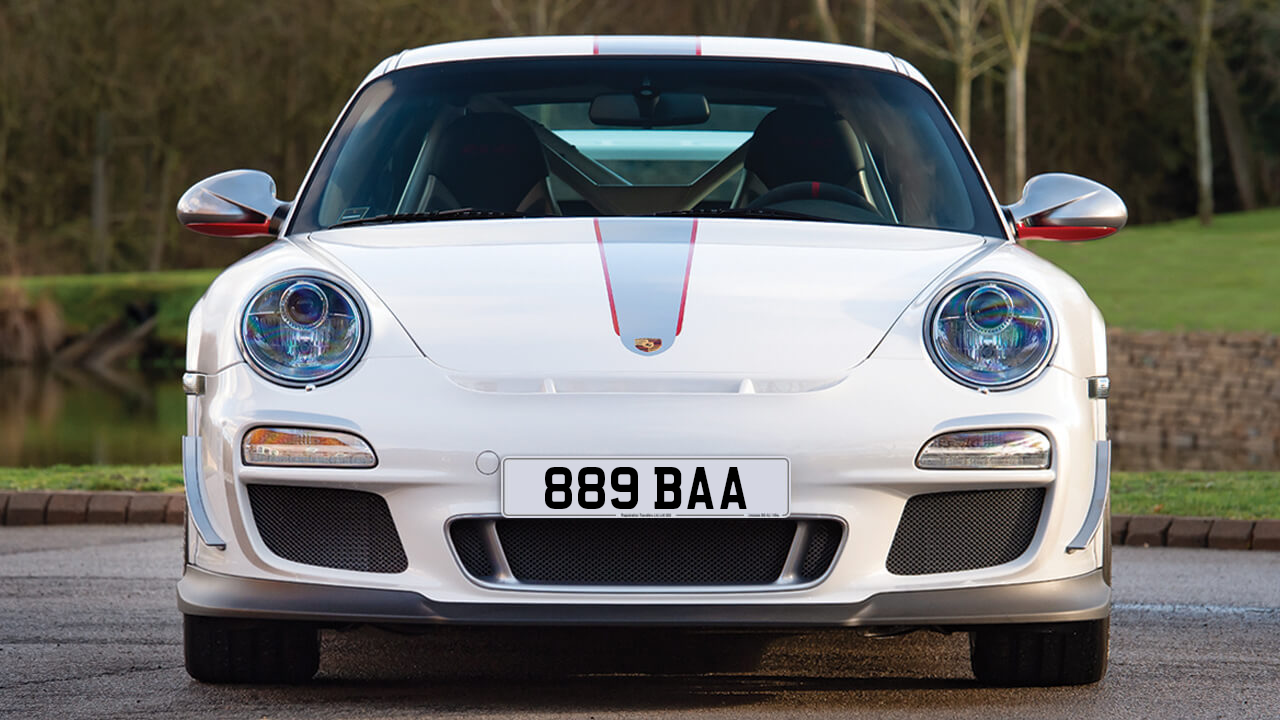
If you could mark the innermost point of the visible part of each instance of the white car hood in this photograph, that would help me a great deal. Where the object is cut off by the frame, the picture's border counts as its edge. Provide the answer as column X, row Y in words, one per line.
column 574, row 297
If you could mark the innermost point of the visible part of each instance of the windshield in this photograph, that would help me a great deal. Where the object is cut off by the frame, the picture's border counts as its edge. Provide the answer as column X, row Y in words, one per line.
column 646, row 136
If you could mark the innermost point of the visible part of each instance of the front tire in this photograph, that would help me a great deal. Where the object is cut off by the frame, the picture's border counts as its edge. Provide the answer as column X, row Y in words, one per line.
column 226, row 650
column 1040, row 655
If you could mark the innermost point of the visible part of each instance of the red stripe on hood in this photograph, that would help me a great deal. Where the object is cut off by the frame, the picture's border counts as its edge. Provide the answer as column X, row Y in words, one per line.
column 608, row 286
column 688, row 268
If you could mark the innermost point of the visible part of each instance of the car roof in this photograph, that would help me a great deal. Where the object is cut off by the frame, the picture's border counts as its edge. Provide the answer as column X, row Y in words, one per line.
column 654, row 45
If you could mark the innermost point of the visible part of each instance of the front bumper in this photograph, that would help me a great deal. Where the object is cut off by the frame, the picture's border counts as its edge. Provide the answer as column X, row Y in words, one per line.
column 1084, row 597
column 851, row 448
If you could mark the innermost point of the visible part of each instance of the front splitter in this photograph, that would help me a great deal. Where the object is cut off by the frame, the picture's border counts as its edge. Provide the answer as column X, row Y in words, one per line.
column 1084, row 597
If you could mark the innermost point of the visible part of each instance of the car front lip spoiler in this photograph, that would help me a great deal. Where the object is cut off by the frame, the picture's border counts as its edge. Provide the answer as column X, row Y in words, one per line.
column 1084, row 597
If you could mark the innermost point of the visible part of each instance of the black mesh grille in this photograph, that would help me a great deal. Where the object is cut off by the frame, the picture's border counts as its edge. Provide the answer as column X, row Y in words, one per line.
column 646, row 552
column 469, row 544
column 952, row 531
column 344, row 529
column 631, row 552
column 824, row 540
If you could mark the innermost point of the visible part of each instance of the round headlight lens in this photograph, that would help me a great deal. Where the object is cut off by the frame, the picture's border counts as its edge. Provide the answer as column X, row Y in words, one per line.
column 990, row 333
column 302, row 330
column 303, row 306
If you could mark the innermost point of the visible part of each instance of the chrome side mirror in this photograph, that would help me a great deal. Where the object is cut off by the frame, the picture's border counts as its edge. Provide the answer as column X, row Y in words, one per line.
column 236, row 203
column 1058, row 206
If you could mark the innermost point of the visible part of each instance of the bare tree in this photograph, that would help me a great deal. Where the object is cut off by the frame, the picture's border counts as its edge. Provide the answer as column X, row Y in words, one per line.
column 730, row 17
column 959, row 24
column 1211, row 80
column 827, row 27
column 1226, row 97
column 12, row 97
column 868, row 23
column 1016, row 19
column 548, row 17
column 1258, row 63
column 1201, row 45
column 192, row 89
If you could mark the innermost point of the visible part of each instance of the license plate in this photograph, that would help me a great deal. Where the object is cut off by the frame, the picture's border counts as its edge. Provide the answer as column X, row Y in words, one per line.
column 646, row 487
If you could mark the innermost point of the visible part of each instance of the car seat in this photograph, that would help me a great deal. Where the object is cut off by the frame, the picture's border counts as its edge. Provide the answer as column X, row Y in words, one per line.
column 801, row 143
column 487, row 161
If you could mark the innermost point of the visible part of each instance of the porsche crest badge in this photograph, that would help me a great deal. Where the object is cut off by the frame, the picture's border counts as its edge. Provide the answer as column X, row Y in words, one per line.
column 648, row 345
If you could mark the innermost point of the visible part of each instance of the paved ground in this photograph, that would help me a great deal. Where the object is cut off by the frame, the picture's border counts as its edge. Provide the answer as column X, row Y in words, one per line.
column 88, row 629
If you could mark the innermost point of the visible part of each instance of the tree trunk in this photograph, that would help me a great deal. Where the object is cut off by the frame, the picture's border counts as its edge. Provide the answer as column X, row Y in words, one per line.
column 966, row 32
column 541, row 17
column 1016, row 20
column 7, row 238
column 868, row 23
column 99, row 202
column 1227, row 99
column 1200, row 104
column 163, row 218
column 1015, row 136
column 964, row 96
column 826, row 23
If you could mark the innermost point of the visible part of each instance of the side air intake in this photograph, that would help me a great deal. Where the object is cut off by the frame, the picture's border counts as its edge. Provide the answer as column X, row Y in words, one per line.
column 966, row 530
column 326, row 527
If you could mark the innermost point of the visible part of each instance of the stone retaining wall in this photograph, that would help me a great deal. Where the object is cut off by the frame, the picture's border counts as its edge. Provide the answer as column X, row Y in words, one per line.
column 1199, row 400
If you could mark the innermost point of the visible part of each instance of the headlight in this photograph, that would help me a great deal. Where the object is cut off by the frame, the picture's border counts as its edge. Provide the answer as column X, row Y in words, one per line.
column 990, row 333
column 302, row 330
column 301, row 446
column 986, row 449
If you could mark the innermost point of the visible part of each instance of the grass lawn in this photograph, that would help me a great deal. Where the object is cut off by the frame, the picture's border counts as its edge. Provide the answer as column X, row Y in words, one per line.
column 1181, row 276
column 93, row 477
column 1241, row 495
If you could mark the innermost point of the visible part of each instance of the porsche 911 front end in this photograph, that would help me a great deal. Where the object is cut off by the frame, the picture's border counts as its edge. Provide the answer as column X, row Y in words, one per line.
column 646, row 331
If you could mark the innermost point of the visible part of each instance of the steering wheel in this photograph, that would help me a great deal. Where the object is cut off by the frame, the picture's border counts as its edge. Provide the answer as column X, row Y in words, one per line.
column 806, row 190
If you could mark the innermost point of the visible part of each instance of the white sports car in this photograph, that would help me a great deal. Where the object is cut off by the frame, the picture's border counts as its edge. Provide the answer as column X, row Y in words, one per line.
column 647, row 331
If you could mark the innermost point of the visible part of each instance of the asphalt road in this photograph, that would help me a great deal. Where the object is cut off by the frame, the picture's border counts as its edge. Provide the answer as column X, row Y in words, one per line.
column 88, row 628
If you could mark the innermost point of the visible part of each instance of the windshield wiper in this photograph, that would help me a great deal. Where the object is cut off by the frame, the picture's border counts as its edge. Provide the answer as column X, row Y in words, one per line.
column 765, row 213
column 454, row 214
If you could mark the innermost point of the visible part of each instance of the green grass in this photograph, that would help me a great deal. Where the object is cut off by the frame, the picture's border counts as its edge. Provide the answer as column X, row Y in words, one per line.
column 154, row 478
column 88, row 301
column 1240, row 495
column 1182, row 276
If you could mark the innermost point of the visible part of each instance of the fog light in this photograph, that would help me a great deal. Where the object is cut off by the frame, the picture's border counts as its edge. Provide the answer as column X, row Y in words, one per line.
column 299, row 446
column 981, row 449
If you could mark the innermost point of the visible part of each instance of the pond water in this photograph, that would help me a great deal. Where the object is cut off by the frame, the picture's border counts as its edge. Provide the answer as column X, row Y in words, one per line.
column 72, row 417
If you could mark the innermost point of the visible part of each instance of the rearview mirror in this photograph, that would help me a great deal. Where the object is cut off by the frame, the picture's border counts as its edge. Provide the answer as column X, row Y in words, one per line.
column 1058, row 206
column 640, row 110
column 236, row 203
